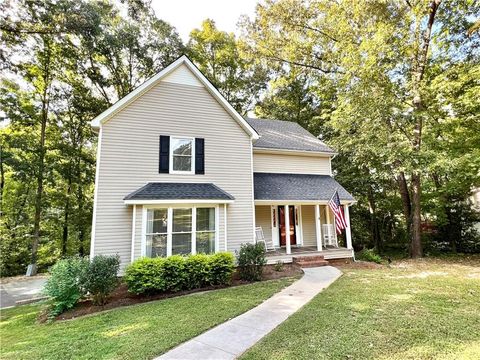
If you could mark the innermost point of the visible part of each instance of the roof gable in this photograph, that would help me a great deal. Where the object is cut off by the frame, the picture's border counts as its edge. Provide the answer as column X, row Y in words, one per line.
column 175, row 72
column 286, row 135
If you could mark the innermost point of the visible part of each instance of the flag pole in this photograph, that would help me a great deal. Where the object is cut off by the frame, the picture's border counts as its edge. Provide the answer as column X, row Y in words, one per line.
column 336, row 190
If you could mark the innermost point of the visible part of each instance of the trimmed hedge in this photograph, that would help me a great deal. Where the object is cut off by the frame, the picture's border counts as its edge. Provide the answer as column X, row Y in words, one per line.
column 175, row 273
column 251, row 260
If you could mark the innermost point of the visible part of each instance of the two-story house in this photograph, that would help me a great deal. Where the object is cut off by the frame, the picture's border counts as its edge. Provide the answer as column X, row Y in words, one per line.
column 179, row 171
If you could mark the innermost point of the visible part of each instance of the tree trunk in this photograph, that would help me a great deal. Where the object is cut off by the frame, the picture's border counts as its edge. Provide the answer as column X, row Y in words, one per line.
column 406, row 202
column 66, row 216
column 374, row 221
column 41, row 160
column 416, row 245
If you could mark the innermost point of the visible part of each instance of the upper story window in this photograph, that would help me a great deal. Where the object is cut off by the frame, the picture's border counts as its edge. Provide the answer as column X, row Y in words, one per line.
column 182, row 152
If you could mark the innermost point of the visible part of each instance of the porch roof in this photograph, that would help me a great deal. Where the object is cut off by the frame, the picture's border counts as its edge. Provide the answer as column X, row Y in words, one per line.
column 166, row 191
column 272, row 186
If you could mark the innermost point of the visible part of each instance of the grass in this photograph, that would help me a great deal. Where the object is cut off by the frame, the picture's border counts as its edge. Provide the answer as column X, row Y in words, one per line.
column 426, row 309
column 134, row 332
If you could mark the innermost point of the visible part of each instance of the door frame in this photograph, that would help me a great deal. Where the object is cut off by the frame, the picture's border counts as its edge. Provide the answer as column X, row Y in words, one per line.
column 297, row 221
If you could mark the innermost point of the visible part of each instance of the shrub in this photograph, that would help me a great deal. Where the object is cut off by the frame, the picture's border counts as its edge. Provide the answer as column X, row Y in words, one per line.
column 197, row 271
column 177, row 272
column 251, row 260
column 221, row 266
column 369, row 255
column 64, row 285
column 174, row 273
column 145, row 276
column 101, row 278
column 279, row 266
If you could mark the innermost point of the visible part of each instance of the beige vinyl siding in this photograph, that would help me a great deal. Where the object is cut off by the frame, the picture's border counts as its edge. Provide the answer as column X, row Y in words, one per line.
column 130, row 154
column 308, row 225
column 263, row 219
column 291, row 164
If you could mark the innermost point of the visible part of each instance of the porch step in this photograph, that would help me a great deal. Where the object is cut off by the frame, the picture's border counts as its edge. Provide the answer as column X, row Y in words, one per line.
column 310, row 261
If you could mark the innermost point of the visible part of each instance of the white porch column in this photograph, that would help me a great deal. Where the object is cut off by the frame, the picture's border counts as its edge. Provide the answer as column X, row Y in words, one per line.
column 287, row 230
column 318, row 227
column 329, row 232
column 225, row 219
column 348, row 232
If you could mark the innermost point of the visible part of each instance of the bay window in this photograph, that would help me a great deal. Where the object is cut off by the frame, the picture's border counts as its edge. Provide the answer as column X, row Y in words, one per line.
column 180, row 230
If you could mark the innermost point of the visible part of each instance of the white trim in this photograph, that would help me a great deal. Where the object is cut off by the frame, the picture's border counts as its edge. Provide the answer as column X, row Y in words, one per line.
column 348, row 232
column 134, row 218
column 275, row 232
column 298, row 228
column 318, row 227
column 253, row 194
column 178, row 201
column 95, row 196
column 225, row 220
column 217, row 227
column 143, row 250
column 192, row 156
column 169, row 230
column 260, row 150
column 147, row 85
column 297, row 202
column 194, row 233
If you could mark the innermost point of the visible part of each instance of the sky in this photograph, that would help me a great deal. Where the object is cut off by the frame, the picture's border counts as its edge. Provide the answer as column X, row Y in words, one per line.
column 186, row 15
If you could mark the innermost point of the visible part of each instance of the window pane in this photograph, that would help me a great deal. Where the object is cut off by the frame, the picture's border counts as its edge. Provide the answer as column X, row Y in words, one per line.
column 156, row 245
column 205, row 242
column 182, row 146
column 181, row 244
column 205, row 219
column 157, row 221
column 182, row 163
column 182, row 220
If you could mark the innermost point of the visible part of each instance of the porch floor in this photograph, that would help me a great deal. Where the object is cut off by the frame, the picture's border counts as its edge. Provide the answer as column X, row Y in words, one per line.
column 329, row 253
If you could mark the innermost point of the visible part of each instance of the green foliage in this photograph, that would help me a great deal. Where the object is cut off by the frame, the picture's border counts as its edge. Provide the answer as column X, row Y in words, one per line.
column 369, row 255
column 64, row 286
column 129, row 332
column 101, row 278
column 221, row 266
column 251, row 260
column 175, row 273
column 279, row 266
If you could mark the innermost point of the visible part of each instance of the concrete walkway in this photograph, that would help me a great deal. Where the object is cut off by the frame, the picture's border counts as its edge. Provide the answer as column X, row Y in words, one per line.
column 234, row 337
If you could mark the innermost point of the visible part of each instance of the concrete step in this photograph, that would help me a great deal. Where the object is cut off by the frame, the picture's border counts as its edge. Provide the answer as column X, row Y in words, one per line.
column 310, row 264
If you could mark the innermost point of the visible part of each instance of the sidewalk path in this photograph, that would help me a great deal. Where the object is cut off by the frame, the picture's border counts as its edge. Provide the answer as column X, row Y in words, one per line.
column 234, row 337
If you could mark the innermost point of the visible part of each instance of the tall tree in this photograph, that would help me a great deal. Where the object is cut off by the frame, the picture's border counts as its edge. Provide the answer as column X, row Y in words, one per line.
column 381, row 57
column 221, row 58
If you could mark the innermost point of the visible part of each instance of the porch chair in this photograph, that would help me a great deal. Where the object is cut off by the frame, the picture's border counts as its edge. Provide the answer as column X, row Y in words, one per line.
column 329, row 235
column 260, row 237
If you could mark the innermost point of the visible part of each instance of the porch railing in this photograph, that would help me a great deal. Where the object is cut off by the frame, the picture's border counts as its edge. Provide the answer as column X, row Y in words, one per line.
column 329, row 235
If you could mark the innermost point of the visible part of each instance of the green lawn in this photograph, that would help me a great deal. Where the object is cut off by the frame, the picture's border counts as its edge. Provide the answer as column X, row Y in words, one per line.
column 135, row 332
column 428, row 309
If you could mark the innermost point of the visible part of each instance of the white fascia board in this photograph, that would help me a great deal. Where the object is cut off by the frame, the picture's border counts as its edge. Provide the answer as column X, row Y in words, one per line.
column 258, row 150
column 147, row 85
column 179, row 201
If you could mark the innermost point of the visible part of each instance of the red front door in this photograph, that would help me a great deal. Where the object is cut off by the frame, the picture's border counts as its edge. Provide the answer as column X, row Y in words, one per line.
column 281, row 218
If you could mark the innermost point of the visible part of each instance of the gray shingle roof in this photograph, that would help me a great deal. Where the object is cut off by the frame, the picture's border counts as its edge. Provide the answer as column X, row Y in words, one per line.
column 268, row 186
column 179, row 191
column 286, row 135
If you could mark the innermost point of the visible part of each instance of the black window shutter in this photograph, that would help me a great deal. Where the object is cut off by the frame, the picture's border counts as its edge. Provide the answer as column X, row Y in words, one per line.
column 164, row 157
column 199, row 156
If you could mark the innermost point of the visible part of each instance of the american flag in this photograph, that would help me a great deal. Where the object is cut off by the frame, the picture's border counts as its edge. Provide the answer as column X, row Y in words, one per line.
column 337, row 209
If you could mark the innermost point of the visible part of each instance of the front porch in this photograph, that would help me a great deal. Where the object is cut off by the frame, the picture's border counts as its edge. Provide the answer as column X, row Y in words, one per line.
column 311, row 230
column 328, row 253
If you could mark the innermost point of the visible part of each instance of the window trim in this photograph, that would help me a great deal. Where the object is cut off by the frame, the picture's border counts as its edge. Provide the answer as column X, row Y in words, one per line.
column 192, row 156
column 170, row 208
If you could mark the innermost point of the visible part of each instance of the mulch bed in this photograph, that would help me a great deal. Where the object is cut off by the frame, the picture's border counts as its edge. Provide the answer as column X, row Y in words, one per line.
column 121, row 297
